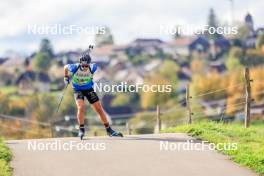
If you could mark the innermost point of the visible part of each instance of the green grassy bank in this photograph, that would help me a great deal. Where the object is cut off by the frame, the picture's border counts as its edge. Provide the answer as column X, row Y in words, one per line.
column 250, row 141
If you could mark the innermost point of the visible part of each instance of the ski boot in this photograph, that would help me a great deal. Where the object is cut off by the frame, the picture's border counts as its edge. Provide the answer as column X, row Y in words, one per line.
column 112, row 133
column 81, row 133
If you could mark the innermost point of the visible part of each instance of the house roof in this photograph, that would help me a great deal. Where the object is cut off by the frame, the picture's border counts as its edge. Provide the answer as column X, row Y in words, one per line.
column 43, row 77
column 183, row 76
column 14, row 62
column 144, row 42
column 201, row 43
column 250, row 42
column 2, row 60
column 148, row 40
column 248, row 18
column 105, row 50
column 181, row 41
column 222, row 42
column 33, row 76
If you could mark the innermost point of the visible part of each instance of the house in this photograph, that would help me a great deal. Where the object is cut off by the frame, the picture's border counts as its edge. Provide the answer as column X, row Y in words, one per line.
column 213, row 48
column 2, row 60
column 250, row 41
column 218, row 66
column 213, row 106
column 200, row 44
column 101, row 55
column 178, row 46
column 130, row 75
column 117, row 64
column 150, row 47
column 256, row 113
column 119, row 52
column 218, row 48
column 12, row 64
column 152, row 65
column 67, row 57
column 30, row 82
column 184, row 80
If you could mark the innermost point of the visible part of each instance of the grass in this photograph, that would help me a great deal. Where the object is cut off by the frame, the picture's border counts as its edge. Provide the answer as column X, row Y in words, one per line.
column 9, row 89
column 5, row 158
column 250, row 141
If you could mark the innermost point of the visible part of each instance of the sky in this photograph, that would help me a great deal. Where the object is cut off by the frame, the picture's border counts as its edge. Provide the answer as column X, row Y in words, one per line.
column 127, row 20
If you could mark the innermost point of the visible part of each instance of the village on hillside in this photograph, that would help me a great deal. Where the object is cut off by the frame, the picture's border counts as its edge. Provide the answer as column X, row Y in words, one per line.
column 135, row 63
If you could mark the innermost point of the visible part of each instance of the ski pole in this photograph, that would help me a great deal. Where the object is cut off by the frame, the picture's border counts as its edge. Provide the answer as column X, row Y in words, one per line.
column 62, row 97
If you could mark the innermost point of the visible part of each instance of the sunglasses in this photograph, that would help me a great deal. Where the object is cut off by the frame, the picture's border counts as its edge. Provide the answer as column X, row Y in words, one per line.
column 85, row 65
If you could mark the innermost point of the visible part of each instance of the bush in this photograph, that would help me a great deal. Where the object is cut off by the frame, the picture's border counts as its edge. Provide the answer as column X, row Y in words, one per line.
column 5, row 158
column 143, row 123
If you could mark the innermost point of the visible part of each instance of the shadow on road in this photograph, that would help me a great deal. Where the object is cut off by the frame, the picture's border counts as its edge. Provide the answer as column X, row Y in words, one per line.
column 143, row 138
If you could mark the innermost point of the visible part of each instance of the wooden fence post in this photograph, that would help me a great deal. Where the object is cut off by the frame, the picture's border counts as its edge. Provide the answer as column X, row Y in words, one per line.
column 189, row 112
column 95, row 133
column 51, row 130
column 248, row 98
column 128, row 128
column 158, row 119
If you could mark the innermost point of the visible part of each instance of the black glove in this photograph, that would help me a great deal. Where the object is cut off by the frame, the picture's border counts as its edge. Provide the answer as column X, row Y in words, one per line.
column 66, row 80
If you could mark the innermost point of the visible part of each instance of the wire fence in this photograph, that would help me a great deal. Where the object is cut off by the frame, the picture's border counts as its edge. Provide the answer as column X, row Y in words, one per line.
column 190, row 110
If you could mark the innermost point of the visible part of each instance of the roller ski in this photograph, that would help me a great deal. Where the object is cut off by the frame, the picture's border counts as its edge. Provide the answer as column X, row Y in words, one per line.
column 81, row 133
column 112, row 133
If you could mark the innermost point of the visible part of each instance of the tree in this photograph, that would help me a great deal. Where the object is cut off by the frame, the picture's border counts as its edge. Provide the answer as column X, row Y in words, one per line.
column 260, row 42
column 46, row 47
column 242, row 32
column 177, row 33
column 166, row 75
column 168, row 71
column 4, row 101
column 104, row 38
column 41, row 62
column 232, row 63
column 234, row 57
column 120, row 99
column 206, row 83
column 198, row 66
column 258, row 84
column 235, row 93
column 212, row 23
column 68, row 107
column 45, row 107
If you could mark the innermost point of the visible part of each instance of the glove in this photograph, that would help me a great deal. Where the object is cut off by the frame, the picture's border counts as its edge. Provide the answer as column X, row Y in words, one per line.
column 66, row 80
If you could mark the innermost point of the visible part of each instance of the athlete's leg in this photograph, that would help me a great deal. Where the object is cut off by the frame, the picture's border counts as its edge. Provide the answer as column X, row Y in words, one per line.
column 79, row 100
column 80, row 117
column 99, row 110
column 95, row 102
column 80, row 113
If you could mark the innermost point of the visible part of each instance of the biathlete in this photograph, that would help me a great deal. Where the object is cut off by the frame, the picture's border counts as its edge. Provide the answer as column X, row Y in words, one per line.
column 81, row 76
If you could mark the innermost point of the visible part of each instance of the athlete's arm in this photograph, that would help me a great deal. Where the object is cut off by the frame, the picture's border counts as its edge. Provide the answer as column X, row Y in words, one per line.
column 66, row 71
column 66, row 75
column 93, row 67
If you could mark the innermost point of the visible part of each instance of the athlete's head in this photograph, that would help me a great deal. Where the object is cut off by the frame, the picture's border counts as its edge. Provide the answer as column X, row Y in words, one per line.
column 85, row 60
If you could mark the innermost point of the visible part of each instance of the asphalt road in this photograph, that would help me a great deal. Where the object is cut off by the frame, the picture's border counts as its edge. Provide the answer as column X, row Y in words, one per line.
column 129, row 156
